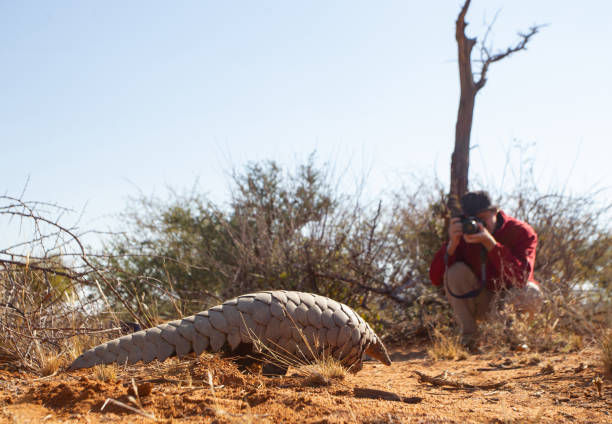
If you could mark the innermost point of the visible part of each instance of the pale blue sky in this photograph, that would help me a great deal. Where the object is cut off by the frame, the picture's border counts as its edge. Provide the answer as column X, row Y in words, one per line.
column 101, row 99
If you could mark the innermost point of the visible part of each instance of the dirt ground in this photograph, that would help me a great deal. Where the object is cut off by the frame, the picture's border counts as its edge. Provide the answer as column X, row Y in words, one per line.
column 516, row 388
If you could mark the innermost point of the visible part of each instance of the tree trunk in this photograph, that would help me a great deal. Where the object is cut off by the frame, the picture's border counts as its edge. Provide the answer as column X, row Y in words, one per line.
column 460, row 160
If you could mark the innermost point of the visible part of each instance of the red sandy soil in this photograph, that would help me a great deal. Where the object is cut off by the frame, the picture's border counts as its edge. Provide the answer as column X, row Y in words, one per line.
column 548, row 388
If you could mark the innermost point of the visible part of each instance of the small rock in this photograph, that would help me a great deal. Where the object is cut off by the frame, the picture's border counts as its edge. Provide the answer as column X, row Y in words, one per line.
column 547, row 369
column 144, row 389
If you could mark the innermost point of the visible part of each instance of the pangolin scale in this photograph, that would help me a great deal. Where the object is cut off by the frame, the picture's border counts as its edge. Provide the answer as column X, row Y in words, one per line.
column 302, row 324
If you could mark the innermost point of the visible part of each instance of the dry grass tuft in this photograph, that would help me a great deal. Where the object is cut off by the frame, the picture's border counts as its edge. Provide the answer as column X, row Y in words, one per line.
column 446, row 346
column 322, row 372
column 107, row 373
column 50, row 363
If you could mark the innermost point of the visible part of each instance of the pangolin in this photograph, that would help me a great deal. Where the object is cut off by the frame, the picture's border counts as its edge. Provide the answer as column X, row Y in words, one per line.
column 287, row 322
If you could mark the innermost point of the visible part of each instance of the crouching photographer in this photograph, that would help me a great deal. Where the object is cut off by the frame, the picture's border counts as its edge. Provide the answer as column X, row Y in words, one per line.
column 489, row 254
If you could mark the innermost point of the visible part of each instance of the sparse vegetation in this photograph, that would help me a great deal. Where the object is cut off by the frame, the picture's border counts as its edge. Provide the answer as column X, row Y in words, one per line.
column 291, row 230
column 50, row 363
column 294, row 231
column 446, row 345
column 50, row 297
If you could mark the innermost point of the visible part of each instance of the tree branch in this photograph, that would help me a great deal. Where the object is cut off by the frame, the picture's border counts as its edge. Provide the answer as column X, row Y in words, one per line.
column 463, row 12
column 521, row 45
column 465, row 46
column 70, row 275
column 389, row 291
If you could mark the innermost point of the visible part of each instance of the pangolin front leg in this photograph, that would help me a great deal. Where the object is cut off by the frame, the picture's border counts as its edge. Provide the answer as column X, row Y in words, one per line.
column 288, row 322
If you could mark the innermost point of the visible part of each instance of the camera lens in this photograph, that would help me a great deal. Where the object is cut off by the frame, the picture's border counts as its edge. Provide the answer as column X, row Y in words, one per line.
column 470, row 225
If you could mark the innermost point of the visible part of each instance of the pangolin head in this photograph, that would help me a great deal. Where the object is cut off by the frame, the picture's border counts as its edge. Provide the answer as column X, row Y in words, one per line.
column 378, row 351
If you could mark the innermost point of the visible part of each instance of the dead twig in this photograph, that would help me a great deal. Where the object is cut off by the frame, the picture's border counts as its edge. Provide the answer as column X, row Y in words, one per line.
column 140, row 412
column 423, row 378
column 364, row 392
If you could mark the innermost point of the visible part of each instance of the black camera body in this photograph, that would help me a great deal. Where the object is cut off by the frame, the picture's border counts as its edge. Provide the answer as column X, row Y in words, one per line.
column 469, row 224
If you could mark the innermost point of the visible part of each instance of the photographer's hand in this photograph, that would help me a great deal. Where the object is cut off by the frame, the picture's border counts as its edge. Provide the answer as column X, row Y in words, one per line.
column 455, row 231
column 483, row 237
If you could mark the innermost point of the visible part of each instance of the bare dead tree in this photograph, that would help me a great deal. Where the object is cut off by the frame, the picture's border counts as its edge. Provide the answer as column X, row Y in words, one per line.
column 471, row 83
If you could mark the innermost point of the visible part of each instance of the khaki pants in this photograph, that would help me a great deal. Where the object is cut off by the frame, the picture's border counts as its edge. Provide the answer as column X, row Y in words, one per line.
column 460, row 278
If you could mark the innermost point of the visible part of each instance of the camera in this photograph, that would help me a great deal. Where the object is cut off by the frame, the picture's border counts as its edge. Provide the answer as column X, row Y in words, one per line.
column 469, row 224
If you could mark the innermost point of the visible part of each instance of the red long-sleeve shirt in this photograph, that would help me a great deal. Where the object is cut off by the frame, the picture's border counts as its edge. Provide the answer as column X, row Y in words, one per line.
column 509, row 263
